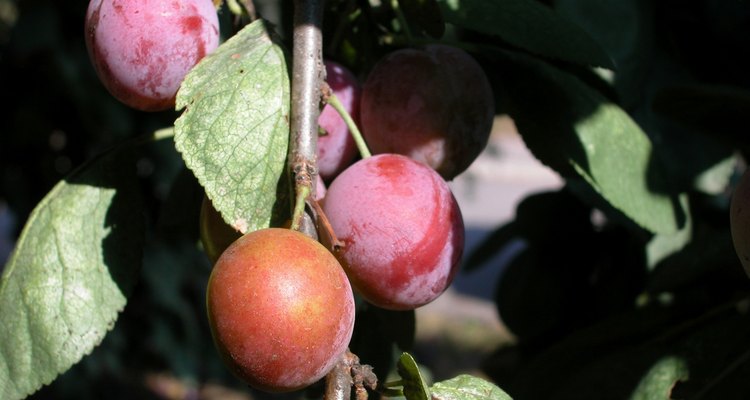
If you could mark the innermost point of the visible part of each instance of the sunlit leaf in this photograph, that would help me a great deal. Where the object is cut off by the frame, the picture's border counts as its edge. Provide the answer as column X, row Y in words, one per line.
column 664, row 245
column 234, row 131
column 70, row 274
column 577, row 131
column 467, row 387
column 658, row 382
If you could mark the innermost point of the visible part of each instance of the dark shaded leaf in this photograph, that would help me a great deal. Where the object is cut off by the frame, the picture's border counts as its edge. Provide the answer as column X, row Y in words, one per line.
column 425, row 14
column 624, row 28
column 720, row 111
column 528, row 25
column 415, row 387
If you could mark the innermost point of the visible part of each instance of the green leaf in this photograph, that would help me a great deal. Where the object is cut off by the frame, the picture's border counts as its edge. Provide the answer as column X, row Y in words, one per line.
column 664, row 245
column 467, row 387
column 70, row 274
column 624, row 28
column 234, row 131
column 529, row 25
column 580, row 133
column 658, row 382
column 415, row 387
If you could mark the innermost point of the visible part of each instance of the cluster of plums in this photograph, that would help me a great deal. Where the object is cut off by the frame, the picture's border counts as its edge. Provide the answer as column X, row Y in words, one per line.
column 280, row 304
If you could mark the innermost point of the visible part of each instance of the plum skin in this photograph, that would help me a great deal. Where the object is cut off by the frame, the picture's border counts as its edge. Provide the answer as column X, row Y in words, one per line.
column 433, row 104
column 402, row 230
column 281, row 309
column 336, row 149
column 739, row 220
column 142, row 49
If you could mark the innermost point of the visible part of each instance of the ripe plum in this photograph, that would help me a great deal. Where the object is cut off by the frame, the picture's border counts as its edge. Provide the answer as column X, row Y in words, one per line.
column 281, row 309
column 434, row 105
column 142, row 49
column 336, row 149
column 402, row 230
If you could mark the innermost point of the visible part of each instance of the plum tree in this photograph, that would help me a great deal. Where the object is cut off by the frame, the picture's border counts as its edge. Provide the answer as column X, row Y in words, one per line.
column 739, row 220
column 142, row 49
column 401, row 227
column 336, row 149
column 281, row 309
column 434, row 105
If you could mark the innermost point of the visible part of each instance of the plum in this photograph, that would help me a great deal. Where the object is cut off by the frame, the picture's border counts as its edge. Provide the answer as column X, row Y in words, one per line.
column 401, row 228
column 142, row 49
column 434, row 105
column 336, row 148
column 281, row 309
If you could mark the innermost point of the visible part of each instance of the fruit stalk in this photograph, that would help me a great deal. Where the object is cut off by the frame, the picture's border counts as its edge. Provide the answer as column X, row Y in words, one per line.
column 307, row 74
column 331, row 99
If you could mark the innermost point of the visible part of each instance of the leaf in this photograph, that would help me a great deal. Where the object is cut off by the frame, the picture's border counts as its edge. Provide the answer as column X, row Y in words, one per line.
column 624, row 28
column 529, row 25
column 662, row 246
column 578, row 132
column 660, row 379
column 467, row 387
column 234, row 131
column 70, row 274
column 415, row 387
column 718, row 110
column 425, row 14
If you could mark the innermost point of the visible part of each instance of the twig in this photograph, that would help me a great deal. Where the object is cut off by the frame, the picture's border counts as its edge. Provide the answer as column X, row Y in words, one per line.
column 349, row 373
column 249, row 9
column 325, row 226
column 307, row 73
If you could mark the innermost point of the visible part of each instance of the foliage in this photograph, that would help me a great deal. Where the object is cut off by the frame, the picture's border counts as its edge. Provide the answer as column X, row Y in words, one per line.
column 637, row 105
column 233, row 133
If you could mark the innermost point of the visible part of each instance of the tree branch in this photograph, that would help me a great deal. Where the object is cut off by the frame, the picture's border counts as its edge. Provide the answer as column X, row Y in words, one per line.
column 307, row 74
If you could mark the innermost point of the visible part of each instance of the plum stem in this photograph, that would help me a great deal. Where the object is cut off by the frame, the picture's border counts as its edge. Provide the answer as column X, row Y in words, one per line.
column 330, row 98
column 299, row 206
column 326, row 227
